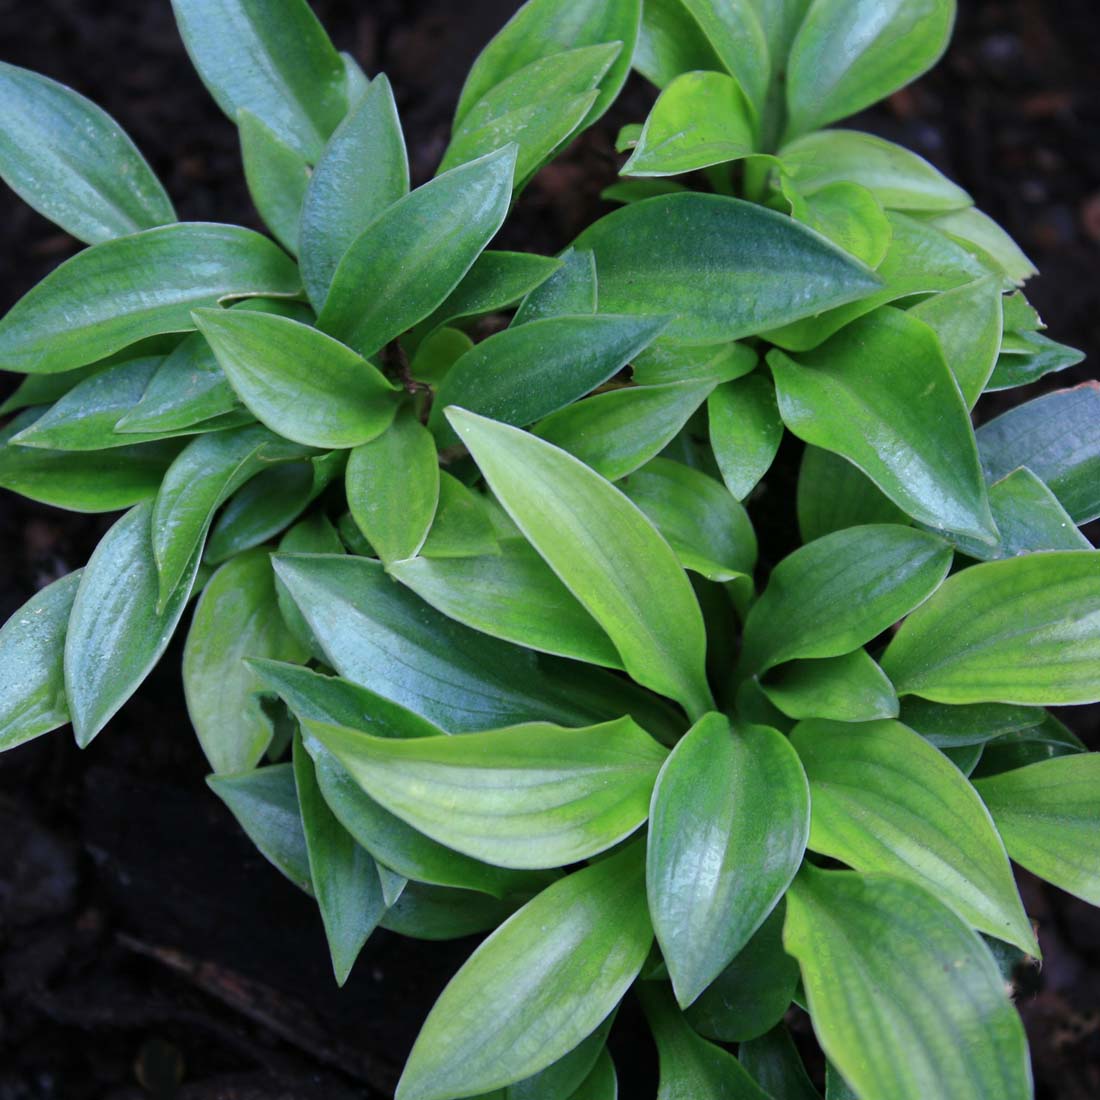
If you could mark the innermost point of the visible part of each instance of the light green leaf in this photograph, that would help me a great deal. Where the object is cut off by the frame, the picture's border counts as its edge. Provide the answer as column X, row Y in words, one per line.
column 972, row 227
column 690, row 1067
column 850, row 53
column 463, row 526
column 752, row 994
column 115, row 633
column 838, row 592
column 664, row 362
column 848, row 688
column 277, row 176
column 833, row 495
column 700, row 119
column 1049, row 817
column 437, row 353
column 885, row 800
column 406, row 262
column 32, row 679
column 745, row 431
column 763, row 269
column 1026, row 357
column 537, row 986
column 375, row 632
column 207, row 472
column 72, row 162
column 880, row 394
column 539, row 107
column 1057, row 437
column 542, row 28
column 276, row 62
column 393, row 488
column 265, row 804
column 527, row 372
column 1025, row 630
column 618, row 431
column 302, row 384
column 116, row 293
column 897, row 177
column 967, row 322
column 363, row 170
column 511, row 594
column 236, row 617
column 344, row 876
column 905, row 999
column 604, row 550
column 727, row 831
column 709, row 530
column 571, row 289
column 529, row 797
column 849, row 215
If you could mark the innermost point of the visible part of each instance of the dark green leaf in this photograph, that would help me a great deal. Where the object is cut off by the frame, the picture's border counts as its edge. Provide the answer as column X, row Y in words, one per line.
column 277, row 176
column 905, row 999
column 1029, row 357
column 571, row 289
column 312, row 535
column 116, row 293
column 833, row 495
column 426, row 912
column 663, row 362
column 671, row 42
column 72, row 162
column 773, row 1062
column 849, row 688
column 949, row 726
column 745, row 431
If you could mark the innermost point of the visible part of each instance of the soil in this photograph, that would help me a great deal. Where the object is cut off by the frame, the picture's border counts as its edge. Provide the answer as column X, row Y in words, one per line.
column 146, row 950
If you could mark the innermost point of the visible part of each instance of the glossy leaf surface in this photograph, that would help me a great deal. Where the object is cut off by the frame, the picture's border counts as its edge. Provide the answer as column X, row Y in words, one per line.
column 848, row 688
column 745, row 431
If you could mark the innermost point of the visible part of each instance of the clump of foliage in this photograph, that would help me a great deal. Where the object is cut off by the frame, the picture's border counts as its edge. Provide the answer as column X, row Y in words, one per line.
column 479, row 640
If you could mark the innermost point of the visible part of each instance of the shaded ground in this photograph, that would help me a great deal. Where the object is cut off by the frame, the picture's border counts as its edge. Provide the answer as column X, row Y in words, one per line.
column 143, row 943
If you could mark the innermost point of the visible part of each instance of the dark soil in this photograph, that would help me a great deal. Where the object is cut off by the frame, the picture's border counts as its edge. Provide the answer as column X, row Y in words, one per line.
column 146, row 950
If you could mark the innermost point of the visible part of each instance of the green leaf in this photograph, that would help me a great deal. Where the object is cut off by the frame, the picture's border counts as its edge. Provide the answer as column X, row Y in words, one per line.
column 302, row 384
column 570, row 289
column 277, row 63
column 363, row 170
column 763, row 269
column 602, row 1083
column 1024, row 630
column 671, row 42
column 664, row 362
column 265, row 804
column 116, row 634
column 72, row 162
column 1026, row 357
column 116, row 293
column 539, row 107
column 897, row 177
column 967, row 322
column 834, row 495
column 773, row 1061
column 537, row 986
column 568, row 1075
column 521, row 374
column 706, row 527
column 511, row 594
column 82, row 481
column 1057, row 437
column 406, row 262
column 885, row 800
column 530, row 796
column 628, row 191
column 425, row 912
column 437, row 353
column 32, row 679
column 542, row 28
column 745, row 431
column 920, row 260
column 905, row 999
column 850, row 53
column 700, row 119
column 462, row 526
column 948, row 726
column 312, row 535
column 277, row 176
column 393, row 488
column 203, row 477
column 344, row 876
column 849, row 215
column 496, row 281
column 236, row 617
column 880, row 394
column 727, row 831
column 849, row 688
column 972, row 227
column 44, row 389
column 1048, row 815
column 838, row 592
column 690, row 1067
column 1028, row 517
column 603, row 549
column 375, row 632
column 752, row 994
column 618, row 431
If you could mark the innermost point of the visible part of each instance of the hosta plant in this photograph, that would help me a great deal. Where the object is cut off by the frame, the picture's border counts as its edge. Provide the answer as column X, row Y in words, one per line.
column 477, row 638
